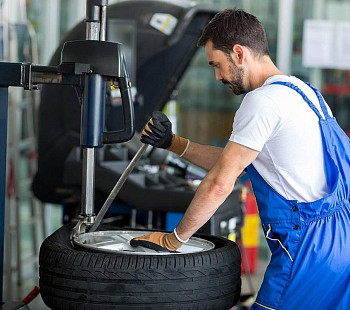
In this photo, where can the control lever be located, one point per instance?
(117, 187)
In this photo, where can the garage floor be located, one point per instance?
(30, 274)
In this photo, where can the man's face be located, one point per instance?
(225, 68)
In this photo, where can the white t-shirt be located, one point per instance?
(276, 121)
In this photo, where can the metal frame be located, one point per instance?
(27, 76)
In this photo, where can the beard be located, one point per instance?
(236, 80)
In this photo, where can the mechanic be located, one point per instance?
(298, 160)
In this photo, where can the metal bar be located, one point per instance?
(118, 186)
(103, 23)
(3, 148)
(91, 136)
(92, 30)
(92, 111)
(88, 182)
(27, 76)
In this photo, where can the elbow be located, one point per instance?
(220, 188)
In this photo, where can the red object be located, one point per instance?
(33, 293)
(250, 204)
(250, 232)
(252, 258)
(336, 89)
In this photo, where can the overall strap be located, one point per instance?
(320, 99)
(308, 101)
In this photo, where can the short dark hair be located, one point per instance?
(235, 26)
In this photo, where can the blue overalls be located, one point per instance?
(310, 242)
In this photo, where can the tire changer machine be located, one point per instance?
(162, 40)
(78, 121)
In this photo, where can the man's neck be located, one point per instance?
(261, 71)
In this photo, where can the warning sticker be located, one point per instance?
(165, 23)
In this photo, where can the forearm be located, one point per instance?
(215, 187)
(204, 156)
(204, 204)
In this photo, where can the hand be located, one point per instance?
(157, 241)
(158, 133)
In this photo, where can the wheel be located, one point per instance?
(75, 278)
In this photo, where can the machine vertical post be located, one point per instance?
(92, 109)
(3, 149)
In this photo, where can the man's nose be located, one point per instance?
(218, 76)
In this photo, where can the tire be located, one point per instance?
(73, 278)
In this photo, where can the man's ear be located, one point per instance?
(238, 54)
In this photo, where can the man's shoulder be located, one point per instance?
(262, 95)
(271, 93)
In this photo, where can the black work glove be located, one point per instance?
(157, 131)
